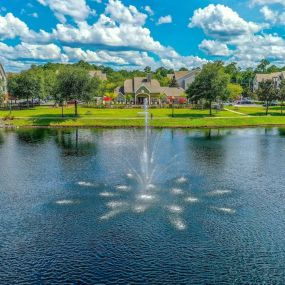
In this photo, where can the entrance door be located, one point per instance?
(140, 100)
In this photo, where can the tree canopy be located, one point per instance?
(210, 84)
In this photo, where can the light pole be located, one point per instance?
(172, 100)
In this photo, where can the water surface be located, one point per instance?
(73, 212)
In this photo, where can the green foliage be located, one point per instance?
(262, 67)
(235, 91)
(210, 84)
(267, 92)
(173, 82)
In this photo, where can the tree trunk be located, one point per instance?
(62, 109)
(267, 107)
(281, 107)
(75, 108)
(210, 108)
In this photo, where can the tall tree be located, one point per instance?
(210, 84)
(73, 84)
(267, 92)
(262, 67)
(173, 82)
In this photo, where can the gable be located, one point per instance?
(142, 90)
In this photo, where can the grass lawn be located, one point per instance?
(88, 117)
(258, 111)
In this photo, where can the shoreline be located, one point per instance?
(140, 127)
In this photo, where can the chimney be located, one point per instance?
(149, 77)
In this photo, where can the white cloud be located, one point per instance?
(29, 51)
(165, 20)
(11, 27)
(125, 15)
(267, 2)
(77, 9)
(118, 26)
(149, 10)
(221, 22)
(216, 48)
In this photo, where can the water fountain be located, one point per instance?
(144, 191)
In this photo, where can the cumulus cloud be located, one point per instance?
(119, 26)
(223, 23)
(216, 48)
(29, 51)
(265, 2)
(164, 20)
(77, 9)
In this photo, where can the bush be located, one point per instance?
(8, 118)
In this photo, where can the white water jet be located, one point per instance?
(219, 192)
(86, 184)
(107, 194)
(65, 202)
(123, 188)
(116, 204)
(177, 191)
(181, 180)
(178, 223)
(225, 210)
(191, 200)
(175, 209)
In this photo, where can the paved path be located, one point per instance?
(235, 112)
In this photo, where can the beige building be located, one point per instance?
(184, 78)
(3, 80)
(138, 89)
(99, 74)
(276, 77)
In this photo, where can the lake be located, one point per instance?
(74, 208)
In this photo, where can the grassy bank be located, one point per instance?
(184, 118)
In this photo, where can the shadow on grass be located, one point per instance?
(270, 113)
(193, 115)
(46, 120)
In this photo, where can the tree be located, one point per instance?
(267, 92)
(281, 94)
(25, 85)
(210, 84)
(2, 86)
(173, 82)
(73, 84)
(147, 69)
(235, 91)
(183, 69)
(262, 67)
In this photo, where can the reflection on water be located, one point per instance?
(72, 211)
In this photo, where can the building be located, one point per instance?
(99, 74)
(276, 77)
(3, 80)
(184, 78)
(138, 89)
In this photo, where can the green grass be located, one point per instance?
(258, 111)
(90, 117)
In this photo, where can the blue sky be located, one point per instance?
(136, 33)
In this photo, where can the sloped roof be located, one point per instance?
(98, 73)
(2, 70)
(132, 85)
(172, 91)
(269, 76)
(181, 74)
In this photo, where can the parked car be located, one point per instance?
(273, 103)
